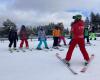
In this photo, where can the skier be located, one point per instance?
(77, 31)
(23, 36)
(12, 37)
(62, 36)
(56, 34)
(86, 34)
(92, 33)
(42, 38)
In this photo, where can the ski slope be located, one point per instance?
(43, 64)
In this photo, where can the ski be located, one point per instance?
(12, 50)
(59, 49)
(84, 69)
(68, 67)
(31, 49)
(46, 50)
(86, 44)
(65, 46)
(16, 50)
(22, 50)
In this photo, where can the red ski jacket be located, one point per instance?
(23, 35)
(77, 29)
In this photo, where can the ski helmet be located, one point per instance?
(77, 17)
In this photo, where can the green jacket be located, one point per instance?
(63, 33)
(86, 32)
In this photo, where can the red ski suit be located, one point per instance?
(77, 30)
(23, 39)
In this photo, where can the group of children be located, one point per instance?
(58, 35)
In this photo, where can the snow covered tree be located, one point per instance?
(7, 25)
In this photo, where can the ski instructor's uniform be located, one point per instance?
(77, 30)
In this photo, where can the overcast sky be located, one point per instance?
(34, 12)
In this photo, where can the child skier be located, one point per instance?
(77, 31)
(86, 34)
(23, 36)
(42, 38)
(56, 34)
(12, 37)
(92, 33)
(62, 36)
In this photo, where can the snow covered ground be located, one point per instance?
(43, 65)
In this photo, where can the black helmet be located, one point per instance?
(77, 16)
(41, 29)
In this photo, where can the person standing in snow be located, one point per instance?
(86, 34)
(12, 37)
(42, 38)
(62, 36)
(92, 33)
(77, 31)
(56, 34)
(23, 36)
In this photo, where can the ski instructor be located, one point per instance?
(77, 31)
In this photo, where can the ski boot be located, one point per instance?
(14, 48)
(38, 48)
(46, 47)
(86, 63)
(67, 62)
